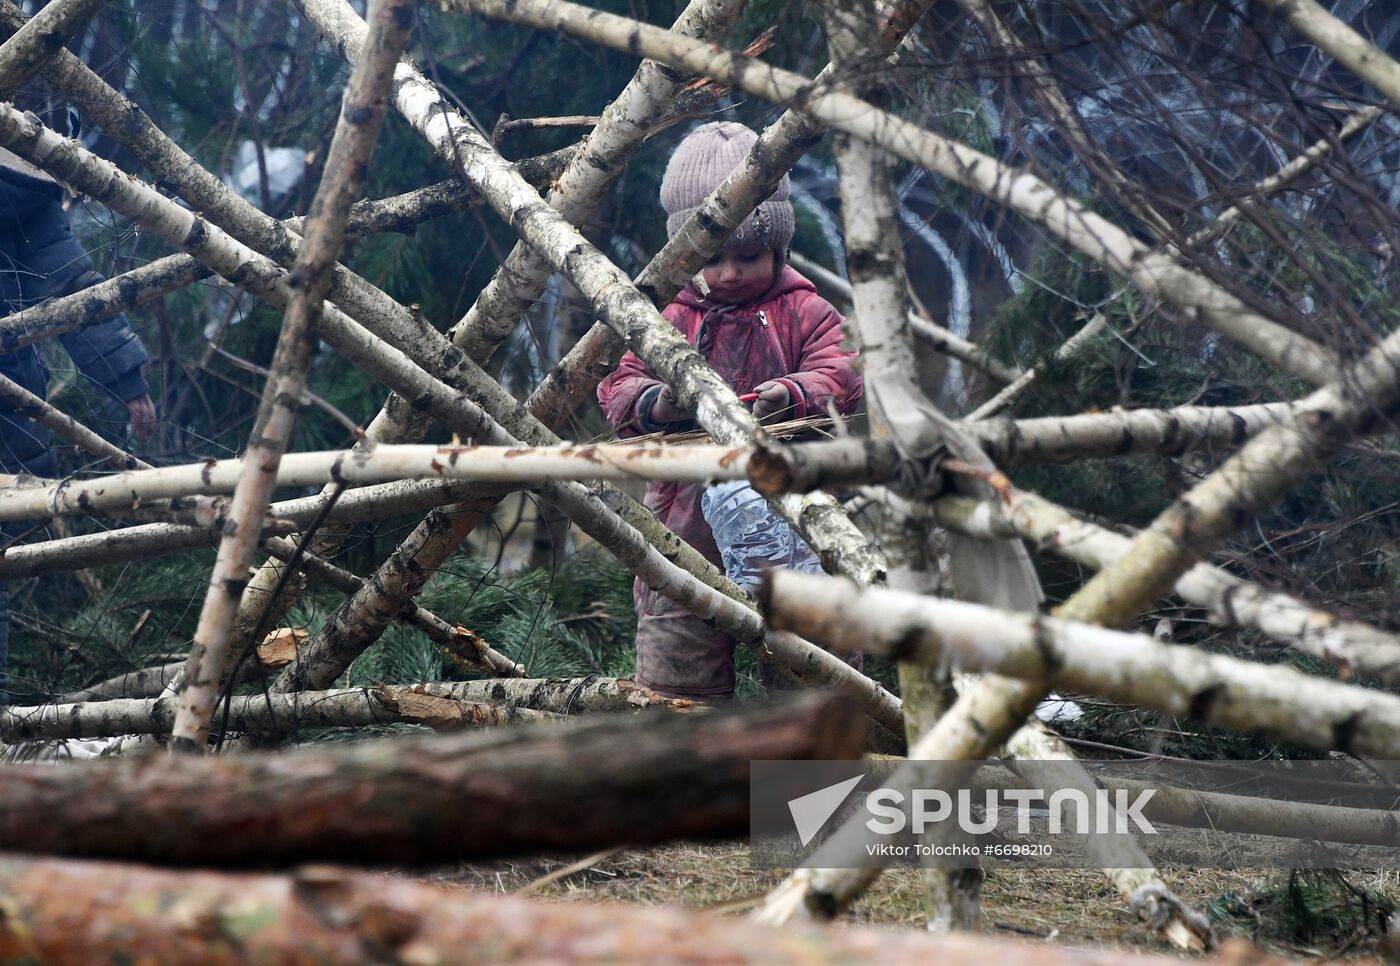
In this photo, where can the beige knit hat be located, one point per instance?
(702, 160)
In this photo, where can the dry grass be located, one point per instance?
(1072, 907)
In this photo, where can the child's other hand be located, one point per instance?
(665, 410)
(143, 416)
(773, 401)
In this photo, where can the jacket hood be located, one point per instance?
(788, 280)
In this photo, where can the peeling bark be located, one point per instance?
(68, 911)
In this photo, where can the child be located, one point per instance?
(763, 327)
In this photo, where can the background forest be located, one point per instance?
(1187, 105)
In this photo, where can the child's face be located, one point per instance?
(742, 274)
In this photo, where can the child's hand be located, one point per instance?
(665, 410)
(773, 401)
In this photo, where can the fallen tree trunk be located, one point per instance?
(381, 464)
(373, 502)
(1219, 812)
(83, 912)
(1085, 658)
(260, 713)
(101, 712)
(426, 800)
(1353, 646)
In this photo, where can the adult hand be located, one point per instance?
(773, 401)
(664, 408)
(143, 416)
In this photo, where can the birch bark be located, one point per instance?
(1055, 652)
(1352, 646)
(1362, 57)
(880, 325)
(347, 166)
(41, 36)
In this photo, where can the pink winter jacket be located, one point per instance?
(789, 334)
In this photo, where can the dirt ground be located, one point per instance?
(1316, 917)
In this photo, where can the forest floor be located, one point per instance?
(1308, 916)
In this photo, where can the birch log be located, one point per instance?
(1046, 439)
(426, 800)
(342, 184)
(153, 540)
(1250, 815)
(43, 35)
(563, 696)
(443, 706)
(382, 464)
(1353, 646)
(1052, 652)
(1352, 50)
(260, 713)
(25, 403)
(880, 325)
(65, 911)
(1156, 273)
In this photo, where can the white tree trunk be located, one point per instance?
(255, 713)
(383, 464)
(1052, 652)
(40, 38)
(342, 184)
(471, 703)
(880, 326)
(1353, 646)
(1362, 57)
